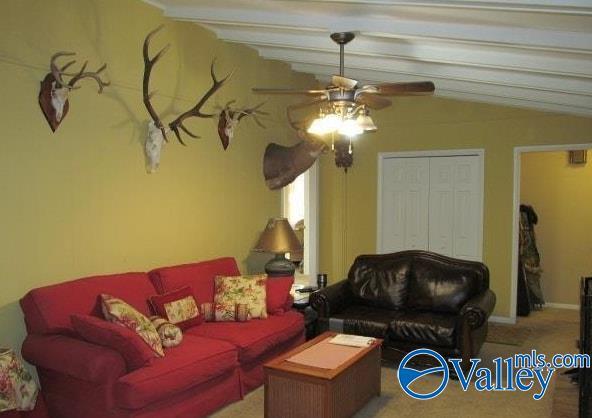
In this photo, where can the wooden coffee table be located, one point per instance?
(295, 390)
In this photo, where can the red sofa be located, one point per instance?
(216, 364)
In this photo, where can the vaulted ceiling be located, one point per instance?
(526, 53)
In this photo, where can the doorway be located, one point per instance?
(542, 169)
(300, 207)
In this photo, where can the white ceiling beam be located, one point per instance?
(449, 87)
(556, 63)
(432, 70)
(572, 7)
(266, 16)
(514, 102)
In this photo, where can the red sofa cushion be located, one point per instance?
(158, 301)
(200, 276)
(48, 309)
(255, 337)
(126, 342)
(278, 293)
(73, 357)
(196, 360)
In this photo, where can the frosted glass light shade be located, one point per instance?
(350, 127)
(366, 123)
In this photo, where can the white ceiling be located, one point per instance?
(527, 53)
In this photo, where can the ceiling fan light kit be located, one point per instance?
(342, 121)
(344, 106)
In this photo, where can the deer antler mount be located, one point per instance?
(229, 118)
(157, 130)
(54, 92)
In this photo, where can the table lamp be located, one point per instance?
(279, 238)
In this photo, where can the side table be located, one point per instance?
(310, 317)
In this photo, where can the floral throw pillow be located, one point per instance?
(230, 291)
(179, 307)
(117, 311)
(170, 334)
(215, 312)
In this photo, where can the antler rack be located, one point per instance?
(176, 125)
(148, 64)
(195, 111)
(58, 73)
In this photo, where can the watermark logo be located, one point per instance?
(407, 375)
(523, 372)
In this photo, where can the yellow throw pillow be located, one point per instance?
(119, 312)
(250, 290)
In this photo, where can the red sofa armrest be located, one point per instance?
(74, 357)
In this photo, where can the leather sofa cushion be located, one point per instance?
(440, 287)
(195, 361)
(199, 276)
(424, 328)
(365, 320)
(256, 337)
(380, 281)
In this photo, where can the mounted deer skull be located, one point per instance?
(54, 92)
(157, 130)
(229, 118)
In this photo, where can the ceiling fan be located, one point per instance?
(344, 109)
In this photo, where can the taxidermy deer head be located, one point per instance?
(281, 164)
(229, 118)
(54, 92)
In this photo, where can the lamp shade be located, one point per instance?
(278, 237)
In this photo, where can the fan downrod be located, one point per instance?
(343, 38)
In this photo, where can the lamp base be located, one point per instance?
(280, 266)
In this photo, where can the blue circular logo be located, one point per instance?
(407, 375)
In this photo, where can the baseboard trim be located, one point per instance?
(502, 320)
(562, 306)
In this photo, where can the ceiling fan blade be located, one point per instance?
(288, 91)
(373, 101)
(346, 83)
(400, 89)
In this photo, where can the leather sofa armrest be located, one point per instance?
(331, 299)
(73, 357)
(478, 309)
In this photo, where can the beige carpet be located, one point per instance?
(551, 331)
(508, 334)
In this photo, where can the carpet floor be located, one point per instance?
(549, 331)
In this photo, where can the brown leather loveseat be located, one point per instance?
(411, 299)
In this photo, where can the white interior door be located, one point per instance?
(441, 205)
(467, 208)
(405, 191)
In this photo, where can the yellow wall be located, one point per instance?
(79, 202)
(561, 195)
(348, 201)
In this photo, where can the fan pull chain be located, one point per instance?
(350, 150)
